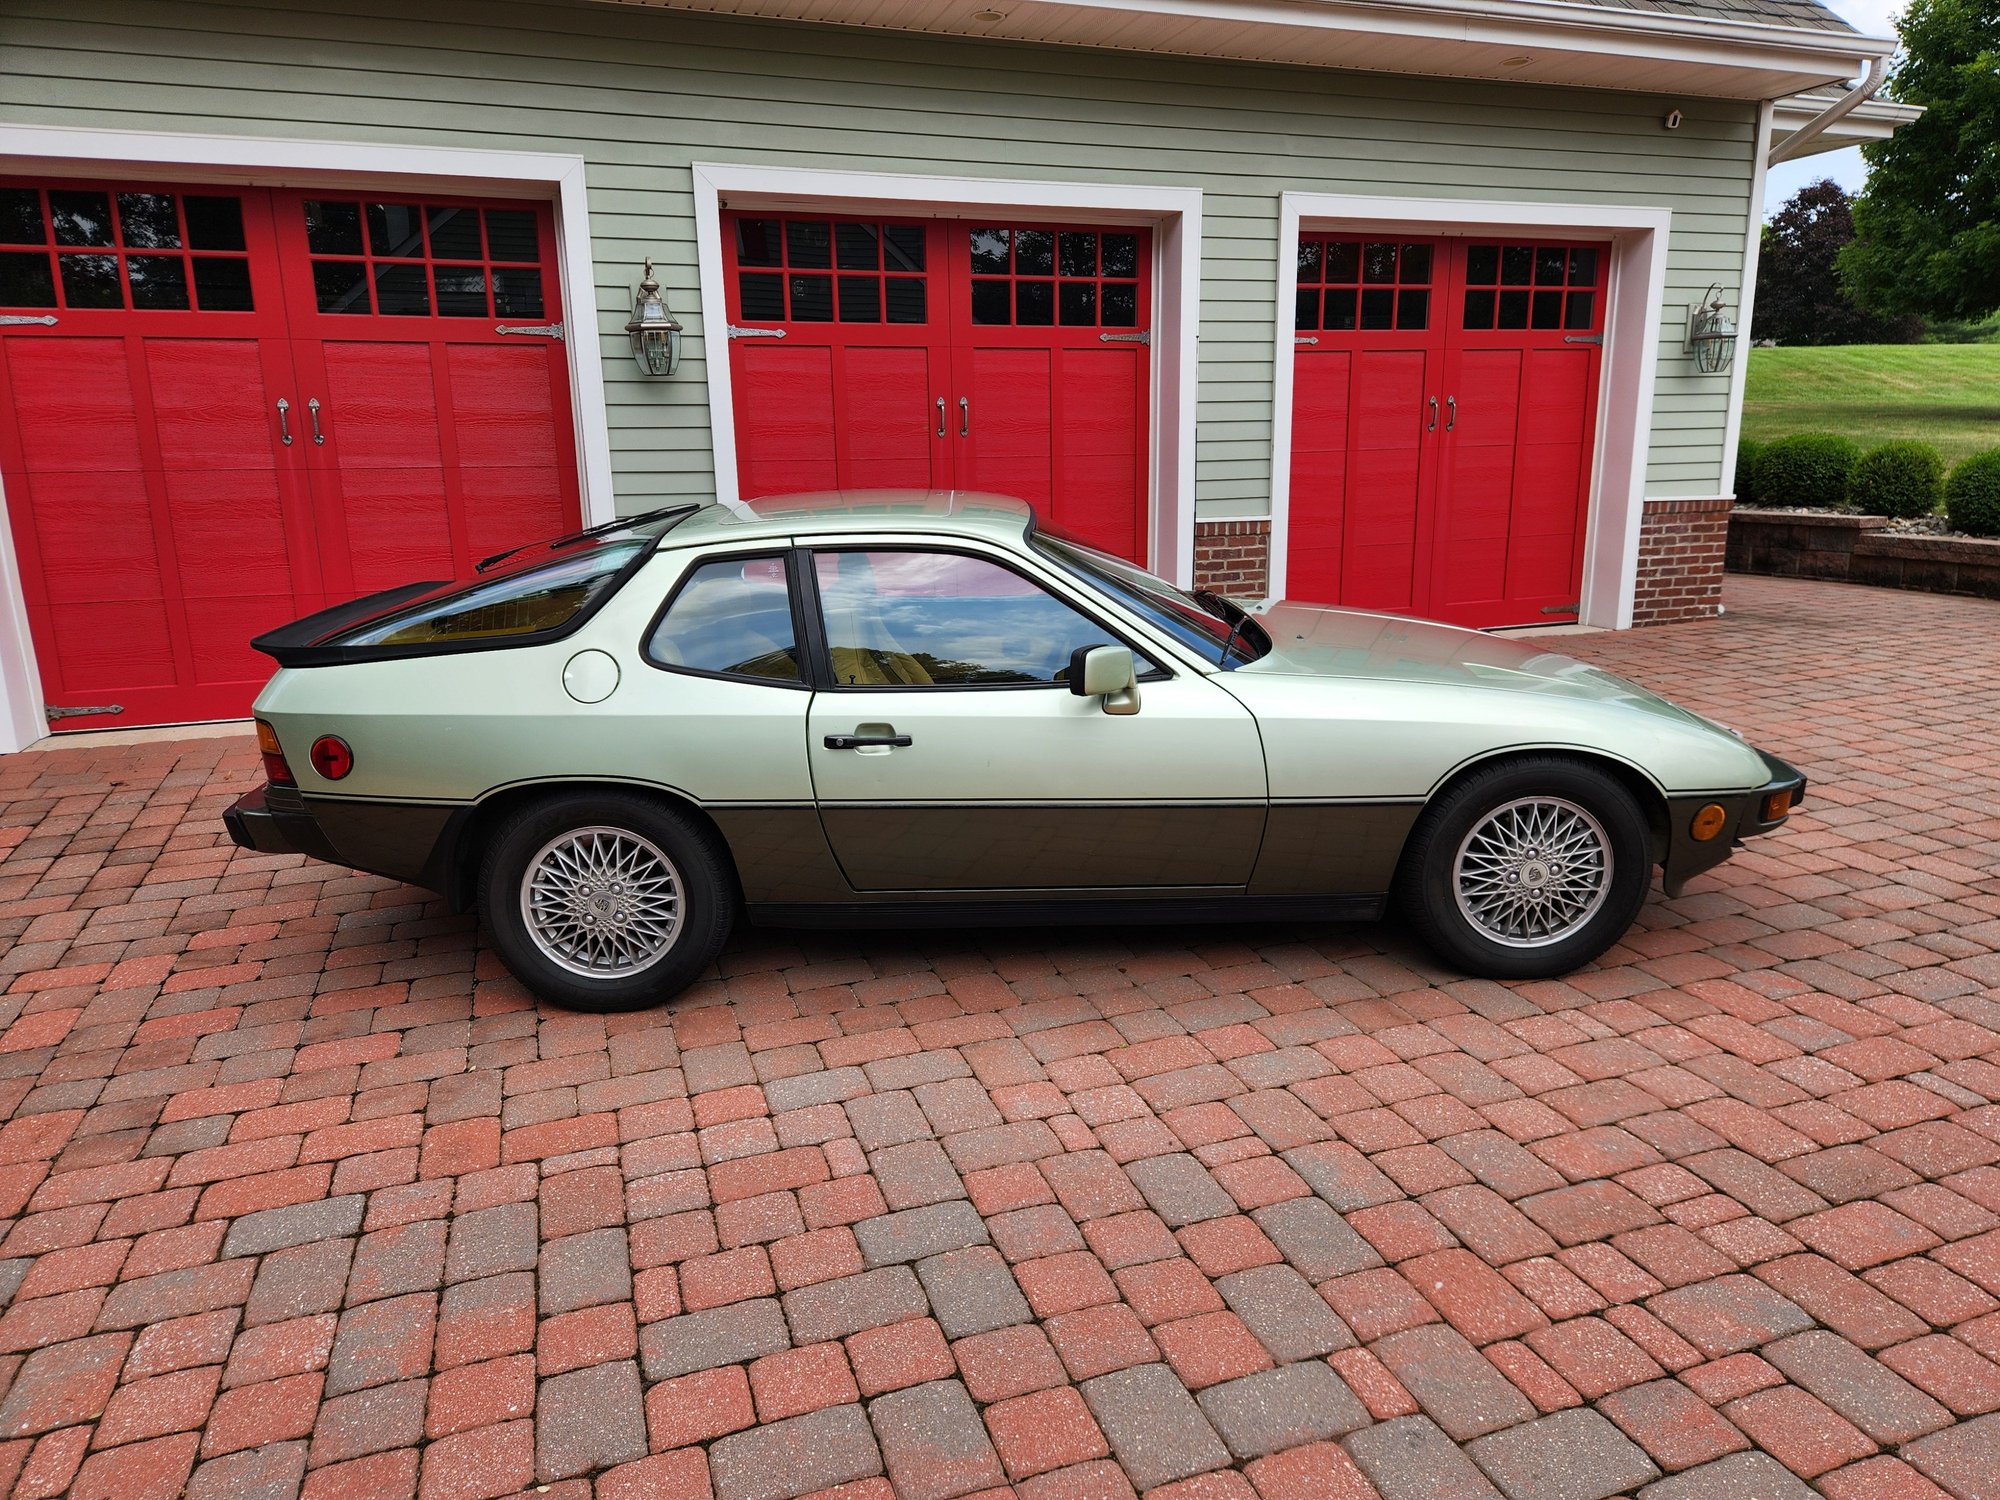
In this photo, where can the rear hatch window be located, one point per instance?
(530, 594)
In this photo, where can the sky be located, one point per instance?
(1844, 167)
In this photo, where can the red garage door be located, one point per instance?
(1010, 357)
(1443, 421)
(221, 408)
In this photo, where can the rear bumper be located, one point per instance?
(404, 840)
(1686, 856)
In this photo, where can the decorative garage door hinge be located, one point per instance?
(544, 330)
(18, 320)
(1305, 338)
(755, 333)
(53, 713)
(1563, 609)
(1141, 337)
(1583, 338)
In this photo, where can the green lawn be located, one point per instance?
(1947, 394)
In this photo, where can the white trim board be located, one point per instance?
(1173, 213)
(268, 162)
(1746, 298)
(1636, 300)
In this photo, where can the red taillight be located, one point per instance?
(331, 757)
(275, 769)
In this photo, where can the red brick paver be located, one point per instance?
(299, 1193)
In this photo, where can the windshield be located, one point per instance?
(1211, 626)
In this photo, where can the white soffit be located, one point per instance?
(1528, 41)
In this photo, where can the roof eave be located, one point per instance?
(1532, 41)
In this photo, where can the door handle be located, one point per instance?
(1434, 416)
(861, 741)
(312, 410)
(964, 417)
(1452, 424)
(940, 431)
(285, 420)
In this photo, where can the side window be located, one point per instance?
(732, 616)
(943, 619)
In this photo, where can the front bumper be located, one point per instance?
(1687, 856)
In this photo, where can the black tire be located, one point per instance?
(1426, 879)
(699, 869)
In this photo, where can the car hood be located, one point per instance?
(1348, 644)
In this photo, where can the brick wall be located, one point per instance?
(1233, 558)
(1681, 547)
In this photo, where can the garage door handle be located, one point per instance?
(312, 410)
(1434, 416)
(1452, 424)
(285, 420)
(860, 741)
(964, 417)
(940, 416)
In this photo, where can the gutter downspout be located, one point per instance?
(1805, 135)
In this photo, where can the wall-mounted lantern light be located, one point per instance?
(1711, 334)
(656, 333)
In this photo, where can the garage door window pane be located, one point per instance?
(158, 281)
(340, 286)
(517, 292)
(945, 619)
(25, 280)
(222, 284)
(510, 235)
(81, 218)
(91, 281)
(147, 221)
(333, 228)
(732, 617)
(213, 223)
(461, 292)
(400, 292)
(454, 233)
(906, 299)
(396, 230)
(21, 217)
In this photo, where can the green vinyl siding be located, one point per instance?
(640, 94)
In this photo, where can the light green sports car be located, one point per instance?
(916, 708)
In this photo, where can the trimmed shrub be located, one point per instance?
(1972, 495)
(1812, 471)
(1902, 479)
(1748, 451)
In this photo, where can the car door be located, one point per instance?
(948, 753)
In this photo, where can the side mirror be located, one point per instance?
(1105, 672)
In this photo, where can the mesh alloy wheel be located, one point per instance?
(1533, 872)
(602, 902)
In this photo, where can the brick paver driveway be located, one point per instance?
(302, 1191)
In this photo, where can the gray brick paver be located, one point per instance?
(1153, 1425)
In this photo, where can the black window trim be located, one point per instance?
(801, 637)
(808, 583)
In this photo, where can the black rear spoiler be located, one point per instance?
(294, 645)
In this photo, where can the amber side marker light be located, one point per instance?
(331, 757)
(275, 769)
(1708, 822)
(1776, 805)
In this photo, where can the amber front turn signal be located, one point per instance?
(1775, 806)
(1708, 822)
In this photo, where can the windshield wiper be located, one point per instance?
(1234, 613)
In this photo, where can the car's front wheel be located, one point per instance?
(605, 901)
(1527, 869)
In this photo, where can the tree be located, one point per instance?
(1928, 223)
(1800, 299)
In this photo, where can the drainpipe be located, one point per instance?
(1806, 134)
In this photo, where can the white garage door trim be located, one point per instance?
(142, 155)
(1174, 214)
(1637, 298)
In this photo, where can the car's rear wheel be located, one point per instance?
(1527, 869)
(605, 901)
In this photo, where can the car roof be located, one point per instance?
(828, 513)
